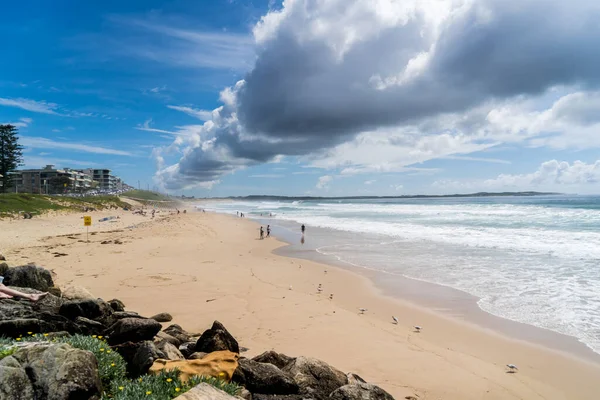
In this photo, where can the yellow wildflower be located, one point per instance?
(121, 388)
(148, 392)
(177, 389)
(99, 337)
(29, 333)
(45, 334)
(108, 351)
(101, 349)
(18, 339)
(140, 379)
(112, 365)
(94, 336)
(169, 380)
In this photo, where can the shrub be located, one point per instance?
(6, 351)
(165, 385)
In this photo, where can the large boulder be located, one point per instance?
(139, 356)
(204, 391)
(14, 382)
(166, 337)
(265, 378)
(315, 377)
(132, 330)
(272, 357)
(71, 292)
(217, 338)
(117, 305)
(162, 317)
(29, 276)
(177, 332)
(188, 348)
(3, 268)
(20, 317)
(95, 309)
(89, 326)
(360, 391)
(126, 314)
(60, 372)
(170, 352)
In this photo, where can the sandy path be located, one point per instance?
(202, 267)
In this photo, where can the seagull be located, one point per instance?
(417, 328)
(512, 368)
(395, 320)
(319, 289)
(362, 310)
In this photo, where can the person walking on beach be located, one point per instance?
(268, 230)
(303, 228)
(262, 233)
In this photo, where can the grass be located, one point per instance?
(146, 195)
(12, 203)
(112, 371)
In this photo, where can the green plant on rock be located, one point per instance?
(6, 351)
(165, 385)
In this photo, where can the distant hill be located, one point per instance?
(419, 196)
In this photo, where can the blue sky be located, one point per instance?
(353, 97)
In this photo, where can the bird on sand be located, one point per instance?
(362, 310)
(331, 296)
(512, 368)
(395, 320)
(319, 289)
(417, 328)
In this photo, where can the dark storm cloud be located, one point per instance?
(304, 96)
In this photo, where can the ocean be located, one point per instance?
(534, 260)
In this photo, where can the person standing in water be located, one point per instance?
(303, 229)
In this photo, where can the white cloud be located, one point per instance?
(397, 187)
(146, 126)
(39, 162)
(551, 175)
(30, 105)
(268, 176)
(23, 123)
(44, 143)
(203, 115)
(324, 181)
(370, 182)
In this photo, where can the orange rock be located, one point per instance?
(218, 364)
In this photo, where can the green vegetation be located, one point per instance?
(11, 154)
(146, 195)
(112, 371)
(13, 203)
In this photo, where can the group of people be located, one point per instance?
(240, 214)
(262, 232)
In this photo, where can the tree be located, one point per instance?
(11, 154)
(59, 183)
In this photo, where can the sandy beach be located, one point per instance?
(202, 267)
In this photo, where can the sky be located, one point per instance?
(309, 97)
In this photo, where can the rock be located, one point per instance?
(245, 394)
(315, 377)
(360, 391)
(217, 338)
(272, 357)
(266, 378)
(19, 317)
(260, 396)
(76, 293)
(14, 383)
(126, 314)
(2, 258)
(204, 391)
(29, 276)
(170, 352)
(117, 305)
(177, 332)
(55, 290)
(3, 268)
(166, 337)
(218, 364)
(90, 327)
(187, 349)
(162, 317)
(60, 372)
(132, 330)
(97, 310)
(354, 379)
(197, 356)
(138, 356)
